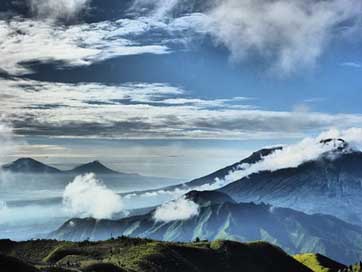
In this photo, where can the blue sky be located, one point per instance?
(207, 81)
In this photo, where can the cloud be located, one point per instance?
(149, 111)
(355, 65)
(28, 41)
(87, 196)
(179, 209)
(292, 156)
(351, 135)
(57, 9)
(287, 35)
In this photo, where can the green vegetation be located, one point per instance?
(319, 263)
(133, 254)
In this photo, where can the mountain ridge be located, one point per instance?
(292, 230)
(32, 166)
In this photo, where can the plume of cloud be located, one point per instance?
(292, 156)
(87, 196)
(179, 209)
(286, 34)
(351, 135)
(57, 9)
(292, 33)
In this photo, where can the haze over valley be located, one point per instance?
(180, 135)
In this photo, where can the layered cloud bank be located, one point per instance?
(87, 196)
(149, 111)
(285, 35)
(27, 41)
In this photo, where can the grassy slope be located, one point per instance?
(319, 263)
(147, 255)
(133, 255)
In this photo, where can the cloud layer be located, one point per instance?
(28, 41)
(179, 209)
(88, 197)
(149, 111)
(284, 35)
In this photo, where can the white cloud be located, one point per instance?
(88, 197)
(57, 9)
(149, 111)
(352, 65)
(179, 209)
(288, 35)
(23, 41)
(351, 135)
(292, 156)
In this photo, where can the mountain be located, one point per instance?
(31, 166)
(93, 167)
(28, 165)
(292, 230)
(253, 158)
(135, 255)
(332, 184)
(317, 262)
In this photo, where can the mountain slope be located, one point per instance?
(124, 254)
(329, 185)
(28, 165)
(253, 158)
(294, 231)
(319, 263)
(93, 167)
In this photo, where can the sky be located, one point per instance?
(175, 88)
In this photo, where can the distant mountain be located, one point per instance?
(139, 255)
(294, 231)
(331, 185)
(31, 166)
(93, 167)
(28, 165)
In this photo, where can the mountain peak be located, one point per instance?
(93, 167)
(29, 165)
(337, 143)
(337, 146)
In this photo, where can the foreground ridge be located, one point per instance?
(134, 254)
